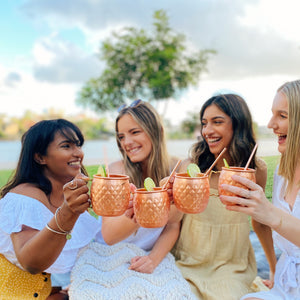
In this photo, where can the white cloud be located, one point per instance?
(59, 61)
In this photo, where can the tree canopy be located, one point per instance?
(143, 64)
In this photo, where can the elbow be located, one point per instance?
(108, 238)
(32, 270)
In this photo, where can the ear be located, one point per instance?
(39, 159)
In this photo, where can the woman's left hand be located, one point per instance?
(143, 264)
(251, 201)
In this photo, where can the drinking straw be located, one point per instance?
(106, 169)
(252, 153)
(216, 160)
(172, 173)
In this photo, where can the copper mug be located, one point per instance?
(225, 177)
(151, 208)
(191, 194)
(110, 195)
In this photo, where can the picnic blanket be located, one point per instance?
(101, 272)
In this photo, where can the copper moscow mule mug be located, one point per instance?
(151, 208)
(110, 195)
(225, 177)
(191, 194)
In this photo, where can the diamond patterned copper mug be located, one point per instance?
(225, 177)
(151, 208)
(191, 194)
(110, 195)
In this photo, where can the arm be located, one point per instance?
(165, 242)
(37, 250)
(255, 204)
(116, 229)
(264, 232)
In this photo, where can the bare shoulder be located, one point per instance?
(261, 165)
(184, 164)
(117, 167)
(30, 190)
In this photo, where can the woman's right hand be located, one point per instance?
(269, 283)
(76, 196)
(169, 187)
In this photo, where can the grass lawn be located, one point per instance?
(271, 162)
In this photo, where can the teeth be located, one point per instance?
(212, 140)
(132, 150)
(74, 163)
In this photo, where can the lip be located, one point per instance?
(213, 141)
(281, 138)
(133, 150)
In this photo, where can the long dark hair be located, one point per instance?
(243, 140)
(36, 141)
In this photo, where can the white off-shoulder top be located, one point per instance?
(17, 210)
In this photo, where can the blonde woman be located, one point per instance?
(283, 215)
(141, 255)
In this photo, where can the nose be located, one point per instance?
(272, 123)
(78, 152)
(127, 140)
(207, 129)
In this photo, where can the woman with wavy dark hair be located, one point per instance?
(43, 218)
(213, 251)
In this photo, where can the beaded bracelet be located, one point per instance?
(67, 233)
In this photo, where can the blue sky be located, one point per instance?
(48, 49)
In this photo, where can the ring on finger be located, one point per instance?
(72, 185)
(89, 201)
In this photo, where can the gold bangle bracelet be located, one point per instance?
(56, 220)
(67, 234)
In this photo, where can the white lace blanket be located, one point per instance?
(101, 272)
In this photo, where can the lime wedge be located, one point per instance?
(101, 171)
(193, 170)
(225, 163)
(149, 184)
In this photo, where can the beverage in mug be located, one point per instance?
(151, 208)
(110, 195)
(225, 177)
(191, 194)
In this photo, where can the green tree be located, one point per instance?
(191, 125)
(140, 64)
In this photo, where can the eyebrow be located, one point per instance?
(68, 141)
(130, 130)
(217, 117)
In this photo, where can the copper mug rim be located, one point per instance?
(187, 176)
(239, 169)
(155, 190)
(112, 177)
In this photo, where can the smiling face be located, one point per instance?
(216, 129)
(279, 121)
(133, 139)
(62, 160)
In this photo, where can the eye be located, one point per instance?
(66, 145)
(136, 131)
(283, 116)
(120, 137)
